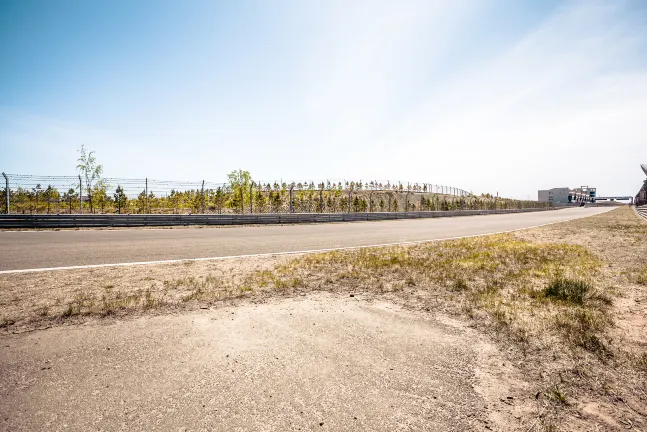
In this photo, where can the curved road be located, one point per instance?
(21, 250)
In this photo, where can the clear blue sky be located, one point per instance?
(489, 96)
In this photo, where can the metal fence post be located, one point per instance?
(80, 195)
(6, 193)
(370, 202)
(389, 203)
(291, 203)
(146, 192)
(251, 198)
(202, 196)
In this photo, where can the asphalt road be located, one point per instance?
(47, 249)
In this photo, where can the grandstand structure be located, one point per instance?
(641, 196)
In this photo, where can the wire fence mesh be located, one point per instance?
(31, 194)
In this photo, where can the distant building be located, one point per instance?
(567, 195)
(555, 195)
(585, 193)
(641, 196)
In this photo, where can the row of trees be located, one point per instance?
(93, 194)
(243, 198)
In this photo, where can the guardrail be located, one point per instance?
(642, 211)
(139, 220)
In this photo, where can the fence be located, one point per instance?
(28, 194)
(105, 220)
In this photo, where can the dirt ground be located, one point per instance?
(320, 362)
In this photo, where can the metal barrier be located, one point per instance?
(642, 211)
(139, 220)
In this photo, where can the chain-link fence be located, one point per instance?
(29, 194)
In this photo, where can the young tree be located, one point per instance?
(36, 192)
(70, 196)
(141, 202)
(356, 204)
(100, 194)
(260, 201)
(89, 169)
(239, 182)
(120, 198)
(219, 199)
(50, 194)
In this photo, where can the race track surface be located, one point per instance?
(47, 249)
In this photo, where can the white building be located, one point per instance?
(555, 195)
(567, 195)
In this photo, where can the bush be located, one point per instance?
(570, 290)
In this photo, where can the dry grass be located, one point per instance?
(568, 300)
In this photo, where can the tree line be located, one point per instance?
(93, 194)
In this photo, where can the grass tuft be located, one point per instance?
(585, 328)
(641, 278)
(568, 290)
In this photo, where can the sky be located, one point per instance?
(489, 96)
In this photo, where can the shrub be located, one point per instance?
(570, 290)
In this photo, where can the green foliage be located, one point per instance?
(569, 290)
(239, 184)
(50, 194)
(89, 170)
(70, 197)
(238, 195)
(120, 198)
(100, 195)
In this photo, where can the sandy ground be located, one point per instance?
(317, 362)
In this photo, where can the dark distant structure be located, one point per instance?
(641, 197)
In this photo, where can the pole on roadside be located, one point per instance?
(80, 195)
(251, 208)
(321, 204)
(146, 192)
(6, 192)
(291, 204)
(202, 196)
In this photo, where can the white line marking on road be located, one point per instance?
(267, 254)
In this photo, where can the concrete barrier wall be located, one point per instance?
(138, 220)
